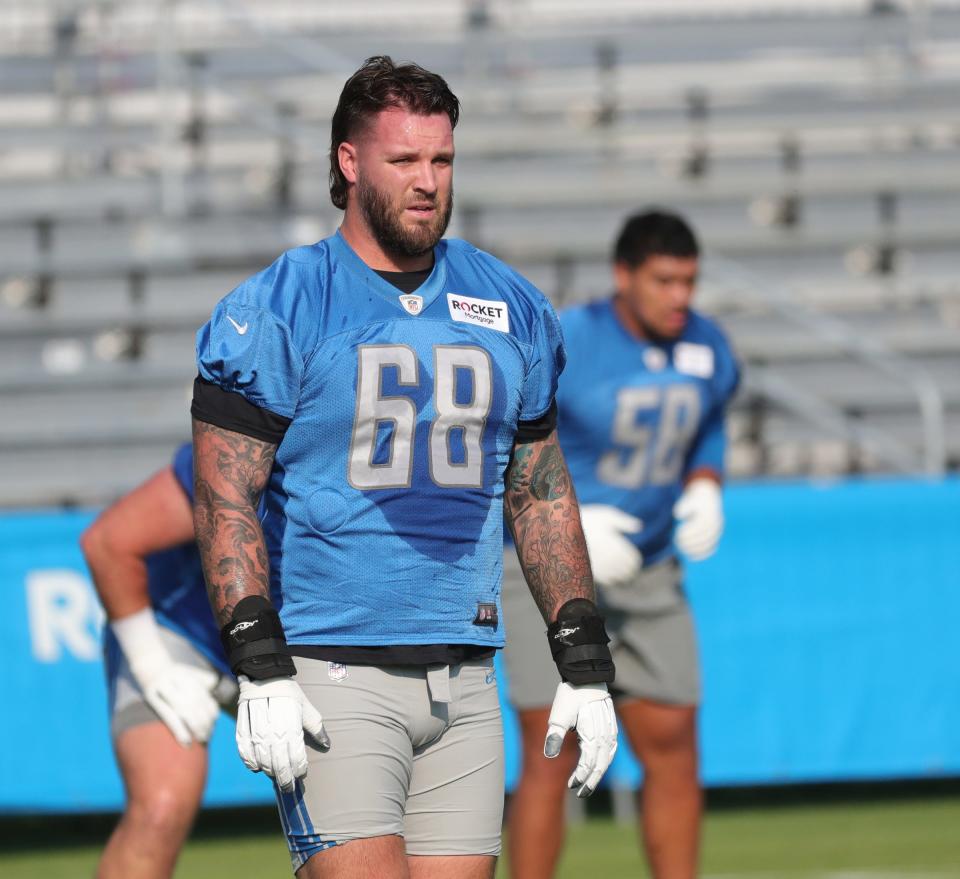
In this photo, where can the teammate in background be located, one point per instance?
(167, 676)
(641, 417)
(379, 387)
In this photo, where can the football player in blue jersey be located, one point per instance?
(641, 417)
(390, 392)
(167, 675)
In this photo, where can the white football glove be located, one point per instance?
(271, 717)
(182, 695)
(699, 515)
(613, 558)
(589, 709)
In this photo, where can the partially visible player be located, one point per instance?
(641, 422)
(167, 675)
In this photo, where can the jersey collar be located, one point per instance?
(428, 290)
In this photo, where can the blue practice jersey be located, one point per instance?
(635, 417)
(384, 507)
(178, 594)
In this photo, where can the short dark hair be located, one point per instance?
(654, 232)
(378, 84)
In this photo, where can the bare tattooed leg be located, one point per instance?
(230, 472)
(544, 517)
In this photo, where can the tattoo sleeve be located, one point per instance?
(230, 471)
(544, 517)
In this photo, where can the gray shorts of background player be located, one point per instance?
(127, 706)
(653, 641)
(414, 751)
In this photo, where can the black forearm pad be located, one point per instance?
(578, 642)
(254, 641)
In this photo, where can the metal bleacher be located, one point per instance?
(154, 154)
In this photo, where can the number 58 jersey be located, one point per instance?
(397, 415)
(637, 417)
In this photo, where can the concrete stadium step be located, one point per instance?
(64, 418)
(240, 145)
(509, 185)
(84, 474)
(198, 245)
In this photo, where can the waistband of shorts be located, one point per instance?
(395, 655)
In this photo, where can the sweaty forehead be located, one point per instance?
(399, 127)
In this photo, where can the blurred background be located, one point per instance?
(153, 154)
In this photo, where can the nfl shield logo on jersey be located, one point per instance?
(655, 359)
(337, 671)
(412, 303)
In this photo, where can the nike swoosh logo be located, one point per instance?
(240, 329)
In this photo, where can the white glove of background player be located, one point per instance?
(699, 515)
(589, 709)
(182, 695)
(271, 718)
(614, 559)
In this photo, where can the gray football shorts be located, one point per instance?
(651, 630)
(415, 752)
(128, 708)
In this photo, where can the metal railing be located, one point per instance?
(784, 300)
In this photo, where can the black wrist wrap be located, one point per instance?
(578, 642)
(254, 642)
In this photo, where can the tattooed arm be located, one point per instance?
(230, 472)
(544, 517)
(543, 514)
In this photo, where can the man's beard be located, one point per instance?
(384, 221)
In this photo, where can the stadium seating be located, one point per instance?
(148, 164)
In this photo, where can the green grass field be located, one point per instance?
(883, 838)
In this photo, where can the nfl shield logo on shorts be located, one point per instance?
(336, 671)
(412, 303)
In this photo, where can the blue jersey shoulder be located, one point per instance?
(703, 330)
(528, 305)
(290, 291)
(579, 321)
(260, 333)
(532, 321)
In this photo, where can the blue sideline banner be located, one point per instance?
(828, 632)
(826, 626)
(63, 760)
